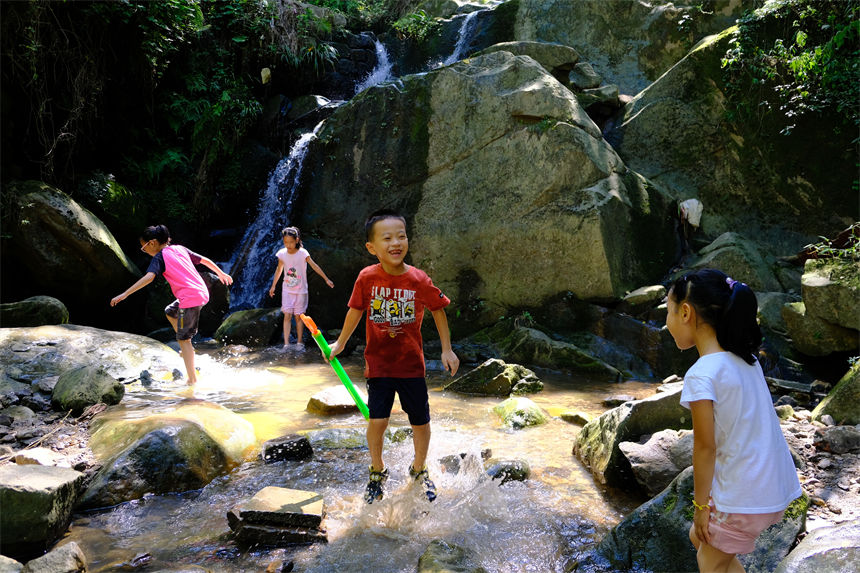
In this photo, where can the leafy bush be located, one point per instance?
(417, 26)
(809, 69)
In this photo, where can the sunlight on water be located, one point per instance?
(536, 525)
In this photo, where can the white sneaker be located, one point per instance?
(299, 346)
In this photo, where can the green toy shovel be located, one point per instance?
(335, 363)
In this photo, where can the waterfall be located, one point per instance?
(380, 73)
(463, 39)
(252, 263)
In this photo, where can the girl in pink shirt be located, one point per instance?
(176, 263)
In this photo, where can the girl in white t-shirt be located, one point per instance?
(293, 261)
(743, 473)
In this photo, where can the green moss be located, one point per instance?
(797, 508)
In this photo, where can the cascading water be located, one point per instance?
(380, 73)
(467, 28)
(249, 264)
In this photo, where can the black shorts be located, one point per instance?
(411, 391)
(186, 319)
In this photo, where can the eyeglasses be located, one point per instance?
(143, 246)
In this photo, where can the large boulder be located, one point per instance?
(54, 350)
(254, 327)
(825, 550)
(178, 450)
(556, 59)
(457, 151)
(831, 291)
(843, 402)
(85, 386)
(67, 558)
(814, 336)
(58, 243)
(740, 259)
(597, 445)
(659, 460)
(676, 133)
(37, 504)
(520, 412)
(630, 43)
(492, 378)
(33, 311)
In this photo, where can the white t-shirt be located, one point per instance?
(295, 270)
(754, 472)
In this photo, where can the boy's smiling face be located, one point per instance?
(389, 244)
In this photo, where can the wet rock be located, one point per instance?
(441, 556)
(278, 516)
(67, 558)
(41, 457)
(814, 336)
(334, 400)
(825, 550)
(578, 418)
(336, 438)
(492, 378)
(831, 291)
(254, 327)
(597, 445)
(452, 463)
(660, 459)
(837, 439)
(33, 311)
(519, 412)
(37, 504)
(292, 448)
(617, 400)
(78, 389)
(507, 470)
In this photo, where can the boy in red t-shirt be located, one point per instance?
(394, 295)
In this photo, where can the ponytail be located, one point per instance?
(157, 232)
(729, 306)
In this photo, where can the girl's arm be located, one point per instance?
(320, 272)
(222, 276)
(141, 282)
(704, 458)
(449, 359)
(353, 316)
(277, 276)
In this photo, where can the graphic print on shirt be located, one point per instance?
(393, 307)
(291, 277)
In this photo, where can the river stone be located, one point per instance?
(293, 448)
(37, 504)
(837, 439)
(334, 400)
(556, 59)
(444, 557)
(632, 43)
(519, 412)
(603, 95)
(583, 76)
(659, 460)
(67, 558)
(597, 445)
(507, 470)
(815, 337)
(825, 550)
(843, 402)
(41, 457)
(254, 327)
(831, 291)
(740, 259)
(642, 299)
(578, 418)
(19, 413)
(336, 438)
(176, 457)
(88, 385)
(33, 311)
(55, 349)
(492, 378)
(64, 244)
(9, 565)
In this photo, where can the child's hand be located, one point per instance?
(117, 299)
(272, 292)
(226, 279)
(336, 349)
(450, 361)
(700, 525)
(329, 283)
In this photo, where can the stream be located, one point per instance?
(537, 525)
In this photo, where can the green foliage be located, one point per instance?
(793, 59)
(417, 26)
(848, 248)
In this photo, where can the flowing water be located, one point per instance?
(537, 525)
(467, 28)
(380, 73)
(251, 273)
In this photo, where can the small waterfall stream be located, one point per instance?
(380, 73)
(261, 240)
(467, 28)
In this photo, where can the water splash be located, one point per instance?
(467, 29)
(380, 73)
(253, 260)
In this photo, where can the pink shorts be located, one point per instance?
(737, 532)
(294, 303)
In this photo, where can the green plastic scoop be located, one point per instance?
(335, 364)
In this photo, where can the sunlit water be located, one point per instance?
(538, 525)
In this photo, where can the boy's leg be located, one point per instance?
(375, 435)
(421, 443)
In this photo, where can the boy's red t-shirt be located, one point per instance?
(395, 310)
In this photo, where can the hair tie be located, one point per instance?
(731, 282)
